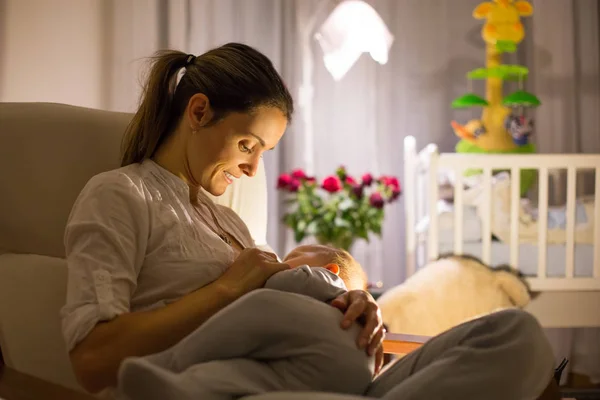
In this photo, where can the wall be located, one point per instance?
(51, 51)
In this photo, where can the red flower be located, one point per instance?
(332, 184)
(395, 194)
(358, 191)
(350, 180)
(298, 174)
(294, 185)
(310, 180)
(284, 181)
(376, 200)
(367, 179)
(391, 182)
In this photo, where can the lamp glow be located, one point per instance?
(353, 28)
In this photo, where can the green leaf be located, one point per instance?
(506, 46)
(298, 236)
(504, 72)
(312, 228)
(342, 223)
(521, 98)
(346, 204)
(301, 225)
(290, 219)
(464, 146)
(362, 233)
(372, 213)
(329, 217)
(376, 228)
(469, 100)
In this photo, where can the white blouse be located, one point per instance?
(134, 241)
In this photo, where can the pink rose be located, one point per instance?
(390, 181)
(294, 185)
(284, 181)
(332, 184)
(298, 174)
(350, 180)
(367, 179)
(376, 200)
(358, 191)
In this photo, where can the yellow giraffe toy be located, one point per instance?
(501, 32)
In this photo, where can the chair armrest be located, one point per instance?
(399, 343)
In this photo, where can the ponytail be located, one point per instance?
(152, 120)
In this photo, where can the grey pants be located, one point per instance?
(501, 356)
(504, 355)
(266, 341)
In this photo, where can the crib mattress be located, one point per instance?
(528, 257)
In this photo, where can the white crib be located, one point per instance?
(565, 301)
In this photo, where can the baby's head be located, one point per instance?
(338, 261)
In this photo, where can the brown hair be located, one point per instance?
(235, 78)
(351, 272)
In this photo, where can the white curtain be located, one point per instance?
(361, 121)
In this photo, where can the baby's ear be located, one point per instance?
(514, 288)
(333, 268)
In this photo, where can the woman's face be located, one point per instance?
(220, 153)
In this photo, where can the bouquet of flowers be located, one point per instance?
(338, 210)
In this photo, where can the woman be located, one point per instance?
(150, 256)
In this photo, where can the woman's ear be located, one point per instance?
(199, 111)
(333, 268)
(514, 288)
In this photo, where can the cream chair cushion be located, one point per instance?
(47, 154)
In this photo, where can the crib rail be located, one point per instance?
(422, 169)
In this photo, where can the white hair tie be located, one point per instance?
(175, 80)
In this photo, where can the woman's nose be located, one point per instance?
(251, 167)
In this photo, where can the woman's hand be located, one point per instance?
(358, 305)
(250, 271)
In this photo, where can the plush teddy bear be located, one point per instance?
(449, 291)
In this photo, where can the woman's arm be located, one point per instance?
(96, 358)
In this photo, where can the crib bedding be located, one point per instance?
(472, 230)
(528, 257)
(471, 223)
(528, 215)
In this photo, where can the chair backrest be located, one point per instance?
(47, 154)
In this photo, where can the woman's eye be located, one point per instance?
(244, 148)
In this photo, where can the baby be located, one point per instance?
(284, 337)
(337, 261)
